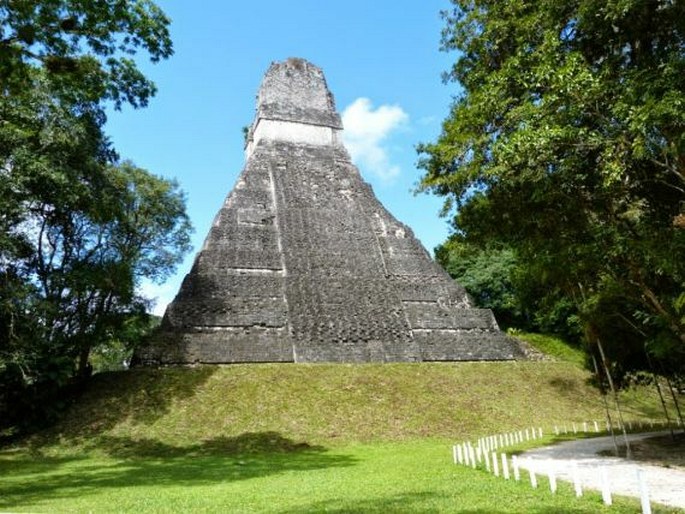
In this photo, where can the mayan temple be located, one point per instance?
(304, 264)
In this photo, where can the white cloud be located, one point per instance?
(365, 132)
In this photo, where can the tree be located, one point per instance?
(79, 229)
(84, 46)
(488, 275)
(567, 144)
(518, 295)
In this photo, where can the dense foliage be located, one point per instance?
(566, 146)
(494, 278)
(488, 274)
(79, 229)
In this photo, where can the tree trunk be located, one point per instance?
(602, 391)
(85, 369)
(629, 454)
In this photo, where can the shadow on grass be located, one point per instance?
(250, 443)
(424, 503)
(566, 386)
(648, 407)
(140, 395)
(30, 479)
(414, 502)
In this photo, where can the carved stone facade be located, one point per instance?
(303, 263)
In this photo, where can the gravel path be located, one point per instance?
(665, 485)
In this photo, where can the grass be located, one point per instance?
(335, 404)
(552, 346)
(301, 438)
(409, 476)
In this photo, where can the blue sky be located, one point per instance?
(381, 60)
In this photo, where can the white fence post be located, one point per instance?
(576, 480)
(533, 478)
(552, 480)
(495, 465)
(505, 467)
(515, 465)
(644, 493)
(606, 490)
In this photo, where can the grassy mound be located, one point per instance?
(329, 404)
(303, 438)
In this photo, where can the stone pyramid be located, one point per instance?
(304, 264)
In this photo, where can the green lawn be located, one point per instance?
(409, 476)
(301, 438)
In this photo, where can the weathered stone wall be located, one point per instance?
(296, 90)
(340, 303)
(304, 264)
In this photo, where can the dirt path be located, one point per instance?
(665, 485)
